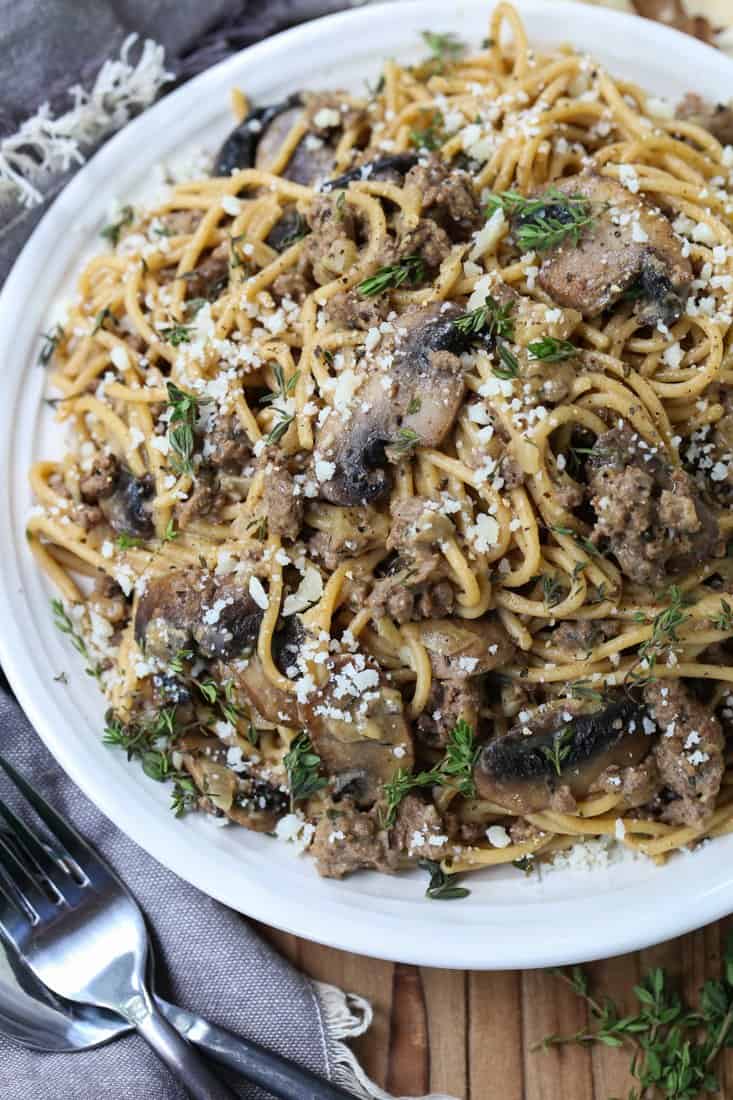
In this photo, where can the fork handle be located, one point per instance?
(178, 1055)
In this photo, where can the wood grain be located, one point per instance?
(468, 1034)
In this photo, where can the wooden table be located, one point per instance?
(469, 1033)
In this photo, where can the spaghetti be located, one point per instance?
(395, 507)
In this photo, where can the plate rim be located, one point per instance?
(338, 924)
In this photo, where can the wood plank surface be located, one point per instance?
(468, 1034)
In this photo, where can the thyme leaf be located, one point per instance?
(63, 623)
(542, 223)
(441, 886)
(302, 765)
(410, 270)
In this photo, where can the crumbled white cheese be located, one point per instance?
(258, 593)
(498, 837)
(230, 204)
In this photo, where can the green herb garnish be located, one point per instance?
(177, 334)
(674, 1046)
(63, 623)
(444, 46)
(550, 350)
(299, 230)
(405, 442)
(410, 270)
(544, 222)
(441, 886)
(454, 770)
(302, 764)
(552, 590)
(432, 136)
(184, 410)
(724, 619)
(102, 316)
(490, 319)
(508, 364)
(665, 625)
(562, 746)
(127, 542)
(49, 342)
(112, 232)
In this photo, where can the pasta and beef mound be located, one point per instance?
(395, 508)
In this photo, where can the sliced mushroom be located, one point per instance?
(358, 728)
(128, 508)
(391, 169)
(270, 701)
(459, 648)
(240, 792)
(257, 140)
(629, 242)
(188, 608)
(415, 400)
(562, 746)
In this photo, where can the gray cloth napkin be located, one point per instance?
(49, 46)
(210, 960)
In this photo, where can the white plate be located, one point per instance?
(509, 920)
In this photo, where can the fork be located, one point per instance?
(82, 934)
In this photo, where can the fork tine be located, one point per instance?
(67, 839)
(29, 844)
(15, 904)
(26, 887)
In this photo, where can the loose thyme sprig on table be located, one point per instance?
(674, 1046)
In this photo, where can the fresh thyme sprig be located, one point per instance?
(454, 770)
(724, 618)
(542, 223)
(508, 367)
(127, 542)
(406, 441)
(444, 46)
(410, 270)
(432, 136)
(302, 765)
(552, 590)
(490, 319)
(551, 350)
(63, 623)
(184, 409)
(49, 342)
(562, 746)
(284, 391)
(665, 625)
(149, 741)
(177, 334)
(441, 886)
(112, 232)
(674, 1045)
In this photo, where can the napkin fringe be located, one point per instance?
(43, 146)
(346, 1016)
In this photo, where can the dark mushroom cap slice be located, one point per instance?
(522, 770)
(128, 508)
(190, 609)
(420, 394)
(257, 140)
(362, 740)
(240, 148)
(390, 168)
(270, 701)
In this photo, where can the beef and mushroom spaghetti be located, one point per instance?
(395, 509)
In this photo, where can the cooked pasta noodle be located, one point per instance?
(400, 465)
